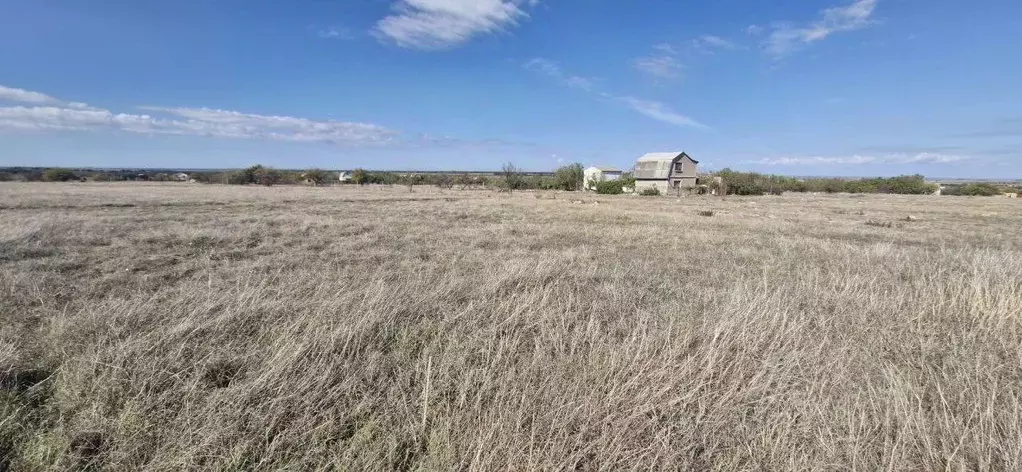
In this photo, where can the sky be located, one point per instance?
(798, 87)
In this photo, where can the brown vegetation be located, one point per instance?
(169, 327)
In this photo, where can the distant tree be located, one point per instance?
(512, 177)
(102, 177)
(266, 176)
(444, 181)
(569, 177)
(359, 176)
(974, 189)
(316, 176)
(59, 175)
(465, 181)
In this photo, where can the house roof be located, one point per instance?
(663, 156)
(656, 165)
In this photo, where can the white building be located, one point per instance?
(599, 174)
(344, 177)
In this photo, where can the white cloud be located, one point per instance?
(553, 69)
(707, 43)
(919, 158)
(9, 94)
(666, 48)
(663, 67)
(652, 109)
(753, 30)
(661, 112)
(785, 38)
(335, 32)
(75, 116)
(441, 24)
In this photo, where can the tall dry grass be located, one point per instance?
(176, 327)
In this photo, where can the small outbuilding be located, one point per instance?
(596, 174)
(665, 171)
(344, 177)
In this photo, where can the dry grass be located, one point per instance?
(177, 327)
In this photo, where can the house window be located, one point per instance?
(679, 167)
(675, 183)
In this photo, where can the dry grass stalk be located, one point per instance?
(169, 327)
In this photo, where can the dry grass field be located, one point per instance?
(190, 327)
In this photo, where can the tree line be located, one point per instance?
(511, 178)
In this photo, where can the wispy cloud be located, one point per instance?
(54, 115)
(754, 30)
(335, 32)
(553, 69)
(17, 95)
(786, 38)
(442, 24)
(649, 108)
(896, 158)
(661, 112)
(710, 43)
(9, 94)
(662, 65)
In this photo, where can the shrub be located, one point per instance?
(359, 176)
(609, 187)
(238, 178)
(266, 176)
(649, 192)
(627, 180)
(705, 212)
(905, 184)
(569, 177)
(316, 176)
(246, 176)
(59, 175)
(512, 177)
(974, 189)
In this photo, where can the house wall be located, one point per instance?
(597, 175)
(689, 168)
(666, 187)
(661, 185)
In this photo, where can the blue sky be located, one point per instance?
(820, 87)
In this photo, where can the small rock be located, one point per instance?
(911, 218)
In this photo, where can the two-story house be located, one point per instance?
(665, 171)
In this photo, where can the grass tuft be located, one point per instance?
(169, 327)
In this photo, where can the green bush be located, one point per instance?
(974, 190)
(59, 175)
(609, 187)
(649, 192)
(359, 177)
(266, 176)
(569, 177)
(627, 180)
(317, 176)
